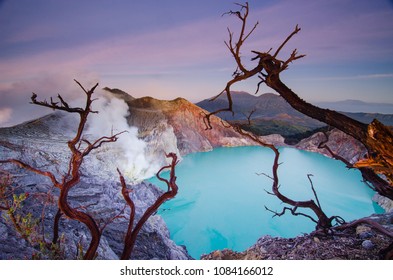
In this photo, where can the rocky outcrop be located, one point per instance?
(104, 202)
(274, 139)
(384, 202)
(340, 143)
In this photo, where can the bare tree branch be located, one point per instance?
(72, 177)
(113, 218)
(99, 142)
(171, 192)
(368, 221)
(35, 170)
(322, 221)
(249, 115)
(293, 212)
(377, 138)
(313, 190)
(241, 72)
(323, 145)
(294, 32)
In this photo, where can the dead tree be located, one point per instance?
(79, 149)
(377, 138)
(249, 115)
(132, 231)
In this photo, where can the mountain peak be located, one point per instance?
(240, 93)
(119, 94)
(269, 94)
(265, 105)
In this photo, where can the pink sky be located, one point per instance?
(166, 49)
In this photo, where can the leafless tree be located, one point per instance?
(249, 115)
(132, 232)
(377, 138)
(80, 148)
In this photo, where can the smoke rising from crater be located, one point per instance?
(128, 153)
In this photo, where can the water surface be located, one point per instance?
(221, 200)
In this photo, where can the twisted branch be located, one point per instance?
(132, 232)
(72, 177)
(322, 221)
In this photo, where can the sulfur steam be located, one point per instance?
(128, 152)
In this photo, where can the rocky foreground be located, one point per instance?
(361, 242)
(42, 143)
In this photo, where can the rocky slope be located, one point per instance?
(273, 106)
(268, 105)
(42, 143)
(271, 113)
(180, 122)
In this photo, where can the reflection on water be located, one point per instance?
(221, 200)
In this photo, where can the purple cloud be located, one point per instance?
(178, 50)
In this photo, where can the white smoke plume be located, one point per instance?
(128, 152)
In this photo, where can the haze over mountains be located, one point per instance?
(274, 115)
(357, 106)
(267, 105)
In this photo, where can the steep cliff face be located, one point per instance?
(177, 125)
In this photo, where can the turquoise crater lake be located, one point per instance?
(221, 200)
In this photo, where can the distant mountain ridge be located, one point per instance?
(267, 105)
(272, 107)
(357, 106)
